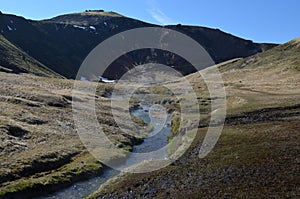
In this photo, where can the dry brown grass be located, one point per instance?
(257, 155)
(39, 143)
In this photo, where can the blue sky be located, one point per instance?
(258, 20)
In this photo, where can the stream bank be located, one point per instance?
(84, 188)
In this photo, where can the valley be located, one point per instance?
(43, 154)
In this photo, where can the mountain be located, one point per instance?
(62, 43)
(15, 60)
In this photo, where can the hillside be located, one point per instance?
(257, 155)
(15, 60)
(40, 149)
(62, 43)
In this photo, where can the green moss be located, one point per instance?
(21, 186)
(160, 90)
(138, 121)
(175, 124)
(134, 103)
(127, 148)
(80, 165)
(174, 142)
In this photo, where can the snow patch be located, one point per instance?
(80, 27)
(105, 23)
(9, 28)
(11, 21)
(106, 80)
(83, 79)
(93, 28)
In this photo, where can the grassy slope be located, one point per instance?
(13, 59)
(257, 155)
(40, 150)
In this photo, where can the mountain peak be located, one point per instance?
(101, 13)
(89, 17)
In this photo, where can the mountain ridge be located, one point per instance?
(61, 43)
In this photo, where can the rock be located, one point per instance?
(16, 131)
(34, 121)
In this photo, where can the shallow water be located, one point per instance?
(82, 189)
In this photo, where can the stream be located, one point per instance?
(84, 188)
